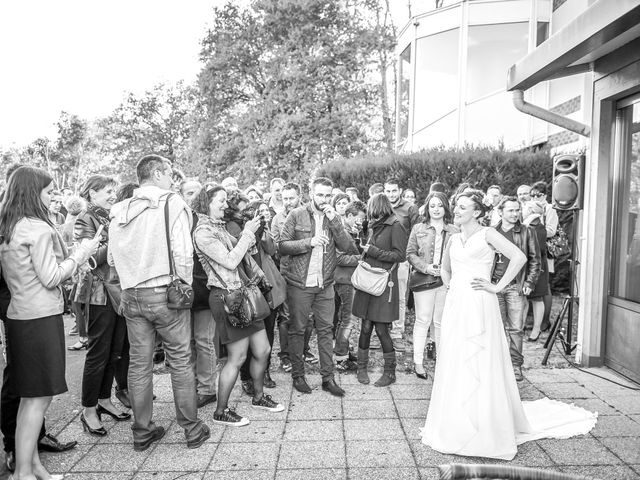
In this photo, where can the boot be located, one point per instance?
(363, 362)
(389, 375)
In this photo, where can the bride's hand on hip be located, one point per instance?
(483, 284)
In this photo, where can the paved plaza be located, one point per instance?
(371, 433)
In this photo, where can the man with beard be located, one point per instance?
(291, 199)
(310, 236)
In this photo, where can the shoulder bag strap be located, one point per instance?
(444, 236)
(167, 231)
(222, 282)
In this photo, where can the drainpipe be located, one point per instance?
(549, 116)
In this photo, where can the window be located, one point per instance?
(625, 265)
(492, 50)
(403, 94)
(436, 88)
(542, 32)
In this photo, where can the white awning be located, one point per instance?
(604, 27)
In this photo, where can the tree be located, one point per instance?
(290, 85)
(161, 121)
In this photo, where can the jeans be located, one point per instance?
(146, 312)
(203, 353)
(403, 280)
(512, 304)
(302, 301)
(284, 321)
(429, 307)
(346, 321)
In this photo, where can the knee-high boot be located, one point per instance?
(363, 363)
(389, 375)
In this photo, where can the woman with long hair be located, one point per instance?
(385, 248)
(222, 255)
(475, 407)
(424, 252)
(35, 262)
(106, 329)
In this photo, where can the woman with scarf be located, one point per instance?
(105, 327)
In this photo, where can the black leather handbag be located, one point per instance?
(179, 294)
(419, 282)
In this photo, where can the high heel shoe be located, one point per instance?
(98, 432)
(118, 417)
(423, 376)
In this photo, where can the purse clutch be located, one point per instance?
(419, 282)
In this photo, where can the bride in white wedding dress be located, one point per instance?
(475, 408)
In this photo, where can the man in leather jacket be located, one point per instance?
(513, 299)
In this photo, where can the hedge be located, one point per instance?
(480, 166)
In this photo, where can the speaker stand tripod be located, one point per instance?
(567, 304)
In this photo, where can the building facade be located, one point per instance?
(600, 42)
(451, 76)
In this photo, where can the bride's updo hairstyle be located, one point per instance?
(477, 197)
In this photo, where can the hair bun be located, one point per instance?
(74, 205)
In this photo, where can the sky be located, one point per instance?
(81, 56)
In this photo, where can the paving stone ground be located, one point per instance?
(371, 433)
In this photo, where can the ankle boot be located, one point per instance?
(389, 375)
(363, 363)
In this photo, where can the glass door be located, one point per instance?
(623, 310)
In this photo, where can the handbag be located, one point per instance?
(419, 282)
(247, 304)
(372, 280)
(558, 245)
(111, 283)
(179, 294)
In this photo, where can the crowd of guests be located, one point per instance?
(111, 254)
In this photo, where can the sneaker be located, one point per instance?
(267, 403)
(310, 358)
(248, 388)
(398, 344)
(285, 363)
(431, 347)
(345, 365)
(230, 418)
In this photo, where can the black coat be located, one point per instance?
(388, 246)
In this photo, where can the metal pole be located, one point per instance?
(572, 274)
